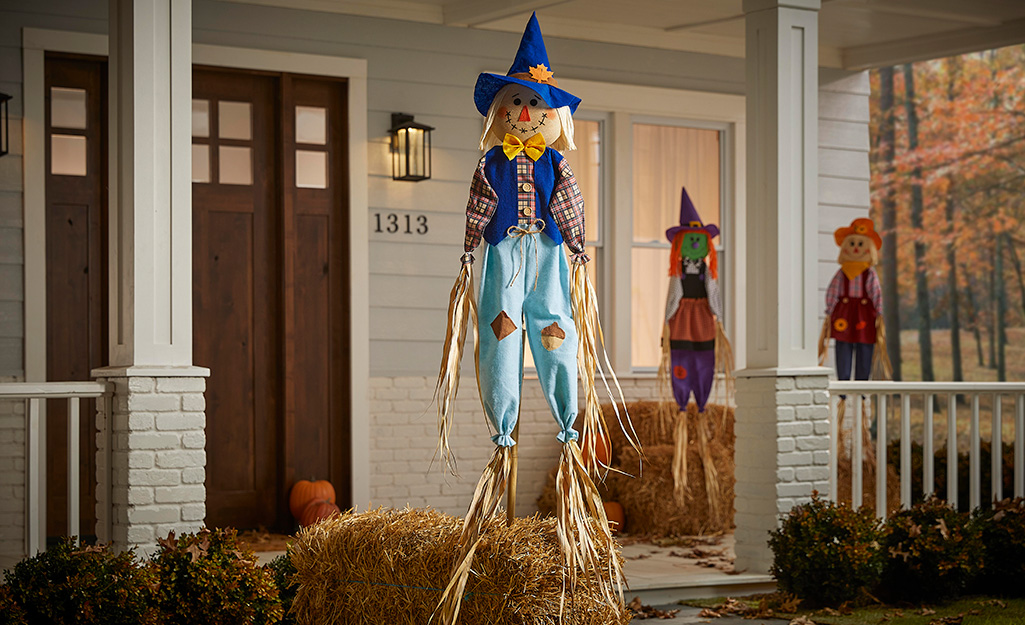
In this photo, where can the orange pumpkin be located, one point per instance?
(602, 449)
(305, 491)
(616, 516)
(316, 511)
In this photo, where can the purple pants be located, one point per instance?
(692, 371)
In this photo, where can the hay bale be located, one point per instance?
(390, 566)
(647, 499)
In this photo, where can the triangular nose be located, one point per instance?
(524, 115)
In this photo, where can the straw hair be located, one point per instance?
(483, 507)
(590, 355)
(388, 566)
(462, 316)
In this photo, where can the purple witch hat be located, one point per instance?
(690, 221)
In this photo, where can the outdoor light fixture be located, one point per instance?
(410, 148)
(5, 125)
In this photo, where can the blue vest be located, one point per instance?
(501, 174)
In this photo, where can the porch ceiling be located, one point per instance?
(853, 34)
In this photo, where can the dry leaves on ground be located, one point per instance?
(642, 612)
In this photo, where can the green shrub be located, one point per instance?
(1002, 530)
(207, 578)
(284, 571)
(10, 612)
(826, 553)
(932, 552)
(72, 584)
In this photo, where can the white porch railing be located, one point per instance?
(35, 467)
(879, 393)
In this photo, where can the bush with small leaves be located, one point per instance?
(79, 584)
(1002, 530)
(284, 571)
(208, 578)
(932, 553)
(10, 612)
(826, 553)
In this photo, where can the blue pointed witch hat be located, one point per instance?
(690, 220)
(531, 69)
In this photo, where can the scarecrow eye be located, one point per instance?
(517, 101)
(533, 102)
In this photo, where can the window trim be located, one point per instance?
(622, 106)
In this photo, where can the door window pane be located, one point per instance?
(310, 169)
(67, 108)
(234, 120)
(235, 165)
(67, 155)
(200, 118)
(311, 125)
(666, 159)
(200, 163)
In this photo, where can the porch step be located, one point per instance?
(668, 590)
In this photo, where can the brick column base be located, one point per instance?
(782, 453)
(158, 460)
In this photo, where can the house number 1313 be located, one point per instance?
(393, 223)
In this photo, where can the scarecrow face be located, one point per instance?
(694, 246)
(858, 248)
(524, 114)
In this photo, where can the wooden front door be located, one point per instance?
(76, 274)
(270, 291)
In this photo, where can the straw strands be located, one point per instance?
(390, 566)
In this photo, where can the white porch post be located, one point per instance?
(157, 418)
(782, 447)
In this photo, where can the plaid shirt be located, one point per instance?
(566, 205)
(835, 290)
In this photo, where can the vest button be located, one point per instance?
(864, 301)
(526, 187)
(845, 300)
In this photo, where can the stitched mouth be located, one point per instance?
(525, 129)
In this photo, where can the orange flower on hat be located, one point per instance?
(540, 73)
(840, 324)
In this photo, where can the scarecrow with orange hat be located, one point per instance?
(693, 340)
(524, 205)
(854, 305)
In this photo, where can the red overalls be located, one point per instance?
(853, 320)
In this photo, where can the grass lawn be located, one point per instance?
(964, 611)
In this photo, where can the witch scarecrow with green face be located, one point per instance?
(694, 341)
(524, 206)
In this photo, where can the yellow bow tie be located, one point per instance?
(534, 147)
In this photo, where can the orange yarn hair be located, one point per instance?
(675, 267)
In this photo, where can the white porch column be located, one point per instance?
(157, 420)
(782, 447)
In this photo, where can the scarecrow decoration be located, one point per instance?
(694, 343)
(524, 203)
(854, 307)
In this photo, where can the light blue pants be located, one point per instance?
(526, 284)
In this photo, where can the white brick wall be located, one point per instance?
(158, 459)
(782, 455)
(404, 436)
(12, 480)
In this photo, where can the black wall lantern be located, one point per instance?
(410, 148)
(5, 125)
